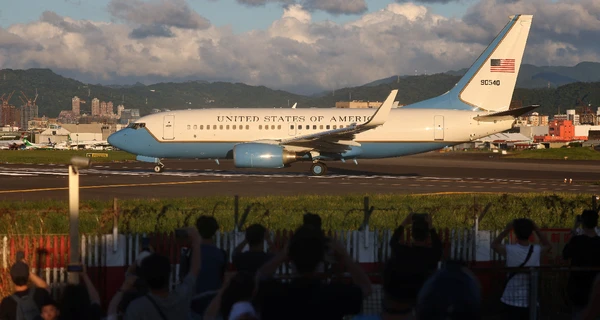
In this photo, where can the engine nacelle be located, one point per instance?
(262, 155)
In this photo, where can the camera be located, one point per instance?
(145, 244)
(81, 162)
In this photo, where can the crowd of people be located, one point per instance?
(325, 282)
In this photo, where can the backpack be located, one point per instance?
(27, 309)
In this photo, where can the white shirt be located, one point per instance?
(517, 290)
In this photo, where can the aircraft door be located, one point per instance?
(169, 127)
(292, 128)
(438, 127)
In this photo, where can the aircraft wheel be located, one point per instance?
(159, 168)
(318, 169)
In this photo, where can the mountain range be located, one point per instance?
(553, 88)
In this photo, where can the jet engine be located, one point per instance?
(262, 155)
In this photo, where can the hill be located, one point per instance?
(55, 91)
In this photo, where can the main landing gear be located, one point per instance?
(318, 169)
(159, 168)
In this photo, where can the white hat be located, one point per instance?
(241, 308)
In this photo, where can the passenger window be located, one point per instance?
(201, 127)
(220, 127)
(260, 127)
(208, 127)
(272, 127)
(321, 127)
(300, 127)
(279, 127)
(314, 127)
(195, 127)
(241, 127)
(189, 127)
(247, 127)
(327, 127)
(292, 126)
(227, 127)
(214, 127)
(267, 127)
(234, 127)
(334, 126)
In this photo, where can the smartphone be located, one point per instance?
(20, 255)
(145, 243)
(181, 233)
(75, 268)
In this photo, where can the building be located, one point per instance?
(76, 105)
(110, 109)
(120, 109)
(560, 131)
(85, 132)
(532, 131)
(10, 116)
(102, 108)
(28, 113)
(42, 123)
(67, 116)
(129, 115)
(54, 134)
(95, 107)
(535, 119)
(358, 104)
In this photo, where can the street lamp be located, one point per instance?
(74, 260)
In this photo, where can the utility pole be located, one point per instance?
(74, 267)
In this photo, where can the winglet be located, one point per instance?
(294, 106)
(382, 113)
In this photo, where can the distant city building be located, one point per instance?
(95, 107)
(76, 105)
(120, 109)
(110, 110)
(28, 112)
(358, 104)
(67, 116)
(10, 116)
(103, 108)
(535, 119)
(129, 115)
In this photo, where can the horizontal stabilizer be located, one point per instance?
(506, 115)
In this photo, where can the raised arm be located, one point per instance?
(546, 245)
(38, 282)
(359, 276)
(497, 243)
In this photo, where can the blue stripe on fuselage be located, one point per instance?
(141, 142)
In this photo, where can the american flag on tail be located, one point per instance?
(502, 65)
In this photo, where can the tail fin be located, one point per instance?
(491, 80)
(489, 84)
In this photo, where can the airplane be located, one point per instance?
(12, 144)
(477, 106)
(29, 145)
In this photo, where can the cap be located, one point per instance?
(19, 270)
(241, 308)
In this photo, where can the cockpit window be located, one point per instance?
(136, 126)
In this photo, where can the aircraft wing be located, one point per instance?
(340, 140)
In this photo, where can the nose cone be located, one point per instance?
(118, 140)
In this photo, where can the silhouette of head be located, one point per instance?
(523, 228)
(155, 271)
(307, 249)
(312, 220)
(589, 219)
(255, 234)
(207, 226)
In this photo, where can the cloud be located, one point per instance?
(335, 7)
(168, 13)
(295, 52)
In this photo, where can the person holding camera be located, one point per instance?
(421, 257)
(27, 301)
(519, 255)
(582, 251)
(160, 303)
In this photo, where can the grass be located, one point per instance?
(278, 213)
(581, 153)
(59, 156)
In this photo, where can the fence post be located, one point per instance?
(595, 202)
(115, 224)
(534, 277)
(236, 212)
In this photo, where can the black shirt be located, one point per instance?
(309, 299)
(8, 307)
(250, 261)
(583, 251)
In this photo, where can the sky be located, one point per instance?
(303, 46)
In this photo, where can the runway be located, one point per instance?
(419, 174)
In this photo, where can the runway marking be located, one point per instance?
(112, 186)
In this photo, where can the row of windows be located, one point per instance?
(261, 127)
